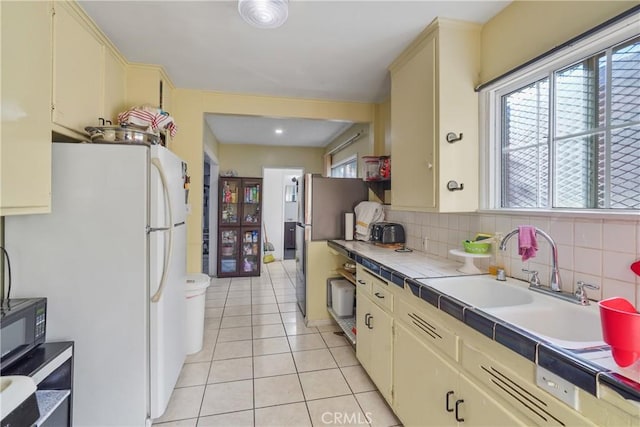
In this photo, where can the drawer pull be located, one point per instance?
(458, 403)
(379, 295)
(366, 319)
(447, 406)
(369, 324)
(362, 282)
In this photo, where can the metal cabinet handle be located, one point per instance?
(369, 324)
(366, 319)
(362, 282)
(447, 407)
(458, 403)
(379, 295)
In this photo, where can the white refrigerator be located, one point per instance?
(111, 259)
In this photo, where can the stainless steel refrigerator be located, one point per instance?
(322, 204)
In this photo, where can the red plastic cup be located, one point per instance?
(621, 329)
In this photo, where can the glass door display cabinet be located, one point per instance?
(239, 227)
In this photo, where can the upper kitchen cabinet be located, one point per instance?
(148, 85)
(25, 141)
(434, 120)
(88, 76)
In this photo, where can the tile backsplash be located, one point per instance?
(597, 251)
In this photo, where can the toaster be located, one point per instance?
(387, 232)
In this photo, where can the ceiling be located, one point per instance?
(327, 49)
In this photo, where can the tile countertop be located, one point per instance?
(585, 368)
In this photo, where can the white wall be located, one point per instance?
(273, 205)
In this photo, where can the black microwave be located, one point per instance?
(23, 326)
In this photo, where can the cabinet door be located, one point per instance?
(413, 130)
(478, 409)
(363, 330)
(250, 252)
(251, 202)
(381, 350)
(115, 80)
(228, 251)
(25, 139)
(422, 382)
(230, 202)
(78, 60)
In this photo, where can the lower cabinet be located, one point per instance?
(374, 343)
(428, 390)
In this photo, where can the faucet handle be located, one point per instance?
(534, 280)
(581, 293)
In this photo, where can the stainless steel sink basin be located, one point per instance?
(559, 322)
(483, 291)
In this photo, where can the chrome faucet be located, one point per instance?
(554, 282)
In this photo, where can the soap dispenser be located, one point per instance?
(497, 261)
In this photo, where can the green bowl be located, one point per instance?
(476, 247)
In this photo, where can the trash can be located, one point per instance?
(342, 295)
(195, 290)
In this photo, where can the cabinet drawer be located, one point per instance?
(432, 333)
(520, 393)
(382, 296)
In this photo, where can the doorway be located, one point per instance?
(210, 215)
(280, 209)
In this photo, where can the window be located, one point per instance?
(568, 136)
(347, 168)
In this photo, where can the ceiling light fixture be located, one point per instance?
(279, 131)
(264, 13)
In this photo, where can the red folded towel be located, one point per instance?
(527, 243)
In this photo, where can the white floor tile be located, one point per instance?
(344, 356)
(292, 415)
(322, 384)
(184, 403)
(233, 419)
(306, 342)
(337, 411)
(334, 340)
(358, 379)
(227, 397)
(274, 345)
(231, 370)
(277, 390)
(235, 321)
(273, 364)
(380, 414)
(299, 328)
(193, 374)
(235, 334)
(266, 319)
(268, 331)
(234, 349)
(314, 360)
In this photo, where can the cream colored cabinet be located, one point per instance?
(115, 83)
(374, 342)
(422, 382)
(433, 102)
(430, 391)
(78, 71)
(25, 139)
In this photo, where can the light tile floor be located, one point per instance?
(261, 366)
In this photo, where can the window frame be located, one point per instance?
(350, 159)
(490, 109)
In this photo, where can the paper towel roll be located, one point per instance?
(348, 226)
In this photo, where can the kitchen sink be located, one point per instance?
(559, 322)
(483, 291)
